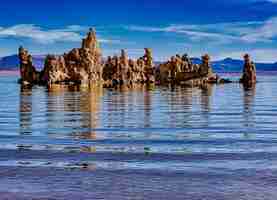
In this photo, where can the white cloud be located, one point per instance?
(37, 34)
(243, 36)
(45, 36)
(193, 32)
(266, 32)
(247, 32)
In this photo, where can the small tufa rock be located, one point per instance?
(148, 70)
(205, 68)
(249, 72)
(28, 73)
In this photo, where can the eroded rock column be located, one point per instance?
(28, 73)
(249, 72)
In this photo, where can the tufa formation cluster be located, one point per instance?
(181, 69)
(80, 65)
(85, 65)
(122, 70)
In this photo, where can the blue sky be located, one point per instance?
(222, 28)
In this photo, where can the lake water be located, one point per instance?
(70, 142)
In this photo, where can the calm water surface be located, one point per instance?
(70, 142)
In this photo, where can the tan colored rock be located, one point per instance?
(181, 70)
(54, 70)
(80, 65)
(249, 72)
(205, 67)
(107, 74)
(170, 69)
(164, 73)
(141, 66)
(135, 71)
(123, 70)
(123, 67)
(148, 70)
(86, 65)
(187, 64)
(28, 73)
(148, 58)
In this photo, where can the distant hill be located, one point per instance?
(234, 65)
(12, 62)
(225, 65)
(228, 64)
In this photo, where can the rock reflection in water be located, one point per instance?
(147, 106)
(79, 108)
(248, 107)
(25, 107)
(205, 103)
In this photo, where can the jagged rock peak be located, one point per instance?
(91, 42)
(28, 73)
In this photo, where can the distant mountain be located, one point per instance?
(234, 65)
(12, 62)
(229, 65)
(225, 65)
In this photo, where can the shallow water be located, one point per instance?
(217, 142)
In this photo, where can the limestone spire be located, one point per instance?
(90, 42)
